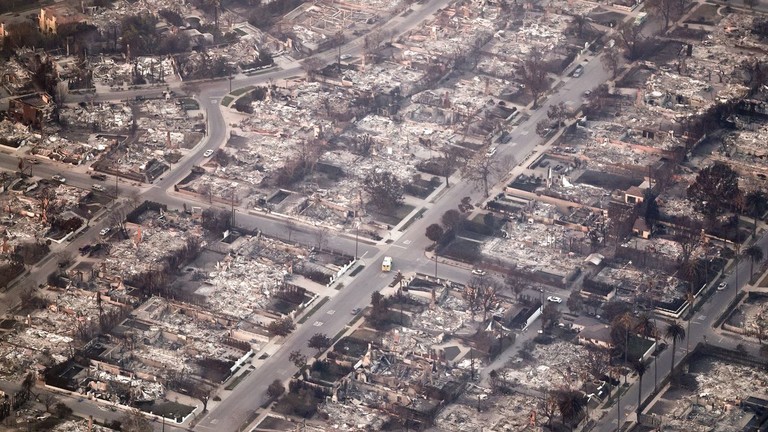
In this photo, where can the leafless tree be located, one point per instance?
(312, 66)
(688, 238)
(533, 74)
(631, 36)
(322, 235)
(481, 293)
(484, 170)
(597, 362)
(48, 400)
(611, 59)
(548, 406)
(452, 155)
(666, 9)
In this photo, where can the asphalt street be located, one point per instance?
(407, 248)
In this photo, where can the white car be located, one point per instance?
(554, 299)
(105, 231)
(58, 178)
(208, 153)
(722, 286)
(478, 272)
(98, 188)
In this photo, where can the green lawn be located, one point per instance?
(227, 100)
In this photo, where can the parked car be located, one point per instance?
(722, 286)
(554, 299)
(478, 272)
(101, 177)
(105, 231)
(356, 311)
(58, 178)
(98, 188)
(33, 161)
(578, 71)
(208, 153)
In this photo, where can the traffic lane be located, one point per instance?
(329, 319)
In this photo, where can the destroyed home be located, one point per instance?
(35, 109)
(721, 395)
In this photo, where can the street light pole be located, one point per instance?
(357, 233)
(618, 404)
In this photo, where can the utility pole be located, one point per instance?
(357, 233)
(435, 262)
(618, 404)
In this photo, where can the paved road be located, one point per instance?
(407, 249)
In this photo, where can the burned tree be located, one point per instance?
(611, 59)
(631, 36)
(716, 189)
(666, 9)
(533, 74)
(486, 170)
(385, 190)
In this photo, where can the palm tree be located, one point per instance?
(676, 333)
(757, 204)
(640, 367)
(645, 325)
(571, 404)
(623, 323)
(755, 255)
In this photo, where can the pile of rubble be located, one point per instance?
(535, 247)
(99, 384)
(353, 417)
(79, 426)
(146, 250)
(100, 116)
(26, 349)
(17, 133)
(508, 413)
(557, 365)
(240, 286)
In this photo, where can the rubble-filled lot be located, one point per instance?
(176, 340)
(165, 133)
(553, 366)
(107, 117)
(714, 403)
(147, 247)
(478, 409)
(350, 417)
(632, 282)
(535, 247)
(751, 316)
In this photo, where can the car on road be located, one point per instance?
(554, 299)
(33, 161)
(722, 286)
(208, 153)
(58, 178)
(98, 188)
(101, 177)
(578, 71)
(587, 93)
(356, 311)
(478, 272)
(105, 231)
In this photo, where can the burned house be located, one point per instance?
(33, 109)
